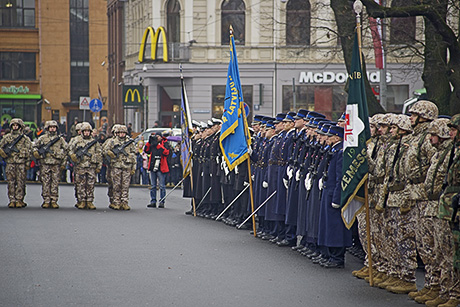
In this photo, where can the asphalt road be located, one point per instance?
(158, 257)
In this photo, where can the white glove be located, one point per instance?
(297, 175)
(290, 172)
(308, 177)
(286, 183)
(335, 206)
(223, 164)
(245, 184)
(226, 170)
(320, 183)
(210, 175)
(250, 150)
(253, 177)
(236, 169)
(202, 173)
(308, 184)
(217, 160)
(265, 184)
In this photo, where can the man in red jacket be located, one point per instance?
(158, 148)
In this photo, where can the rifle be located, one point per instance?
(83, 151)
(330, 153)
(43, 149)
(121, 148)
(391, 177)
(451, 160)
(313, 169)
(374, 150)
(11, 147)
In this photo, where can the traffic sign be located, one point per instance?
(95, 105)
(84, 103)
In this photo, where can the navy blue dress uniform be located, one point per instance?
(187, 183)
(332, 231)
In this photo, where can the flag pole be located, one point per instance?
(358, 8)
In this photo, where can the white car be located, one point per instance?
(146, 134)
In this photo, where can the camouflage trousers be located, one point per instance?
(108, 175)
(85, 178)
(49, 176)
(362, 231)
(16, 177)
(443, 255)
(455, 289)
(121, 179)
(406, 246)
(377, 221)
(424, 238)
(390, 247)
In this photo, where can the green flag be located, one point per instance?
(356, 134)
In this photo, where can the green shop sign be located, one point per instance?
(15, 89)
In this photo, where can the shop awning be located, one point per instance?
(20, 96)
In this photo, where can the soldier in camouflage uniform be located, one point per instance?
(109, 169)
(17, 162)
(420, 151)
(451, 253)
(400, 245)
(70, 145)
(440, 139)
(86, 153)
(122, 152)
(52, 162)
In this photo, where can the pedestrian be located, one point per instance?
(86, 154)
(122, 152)
(158, 149)
(17, 161)
(50, 150)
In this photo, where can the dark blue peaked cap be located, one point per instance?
(279, 118)
(336, 130)
(312, 114)
(302, 113)
(289, 117)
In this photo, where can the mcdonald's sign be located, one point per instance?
(133, 95)
(154, 36)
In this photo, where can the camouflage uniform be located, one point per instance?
(122, 167)
(51, 164)
(16, 164)
(70, 145)
(445, 213)
(441, 276)
(108, 173)
(86, 168)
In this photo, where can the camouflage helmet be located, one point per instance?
(374, 120)
(114, 128)
(455, 121)
(17, 121)
(86, 126)
(439, 127)
(402, 121)
(385, 119)
(50, 123)
(425, 109)
(78, 127)
(121, 128)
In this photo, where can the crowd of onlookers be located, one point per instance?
(141, 175)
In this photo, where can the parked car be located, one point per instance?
(146, 133)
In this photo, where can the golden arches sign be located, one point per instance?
(132, 95)
(154, 36)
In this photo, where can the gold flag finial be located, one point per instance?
(231, 30)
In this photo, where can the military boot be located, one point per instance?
(116, 207)
(361, 273)
(12, 204)
(111, 206)
(20, 204)
(430, 295)
(45, 205)
(54, 205)
(376, 276)
(80, 205)
(380, 278)
(436, 302)
(403, 287)
(390, 281)
(451, 303)
(90, 205)
(125, 207)
(414, 294)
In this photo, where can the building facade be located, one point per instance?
(289, 58)
(53, 52)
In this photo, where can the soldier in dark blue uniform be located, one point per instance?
(332, 231)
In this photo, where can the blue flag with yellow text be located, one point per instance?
(186, 129)
(234, 140)
(356, 134)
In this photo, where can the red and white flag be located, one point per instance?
(376, 30)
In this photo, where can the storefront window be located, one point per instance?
(218, 97)
(17, 13)
(17, 66)
(25, 109)
(329, 100)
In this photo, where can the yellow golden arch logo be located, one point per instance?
(133, 95)
(154, 36)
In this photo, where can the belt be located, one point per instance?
(396, 187)
(417, 180)
(379, 180)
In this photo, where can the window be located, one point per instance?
(17, 66)
(79, 49)
(218, 97)
(173, 21)
(25, 109)
(402, 29)
(233, 15)
(328, 100)
(17, 13)
(298, 18)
